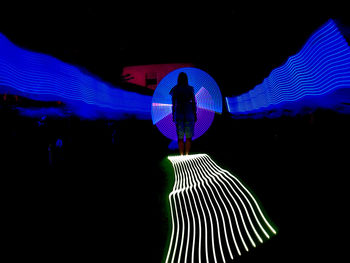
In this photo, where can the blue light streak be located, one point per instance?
(45, 78)
(311, 78)
(208, 98)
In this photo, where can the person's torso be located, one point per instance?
(183, 97)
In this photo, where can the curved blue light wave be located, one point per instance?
(208, 98)
(45, 78)
(309, 78)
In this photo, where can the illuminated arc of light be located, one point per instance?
(320, 68)
(208, 97)
(196, 199)
(165, 109)
(235, 179)
(168, 111)
(209, 183)
(220, 174)
(188, 221)
(208, 206)
(198, 94)
(204, 96)
(156, 104)
(42, 77)
(209, 171)
(195, 184)
(200, 192)
(234, 213)
(178, 166)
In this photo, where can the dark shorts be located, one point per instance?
(184, 128)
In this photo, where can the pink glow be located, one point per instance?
(139, 73)
(161, 104)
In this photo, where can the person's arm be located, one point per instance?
(173, 103)
(173, 108)
(194, 106)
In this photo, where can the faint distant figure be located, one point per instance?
(56, 154)
(184, 112)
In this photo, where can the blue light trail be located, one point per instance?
(208, 98)
(45, 78)
(312, 78)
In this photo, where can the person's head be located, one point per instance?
(182, 79)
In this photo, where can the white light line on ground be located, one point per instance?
(203, 192)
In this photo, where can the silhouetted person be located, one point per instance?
(184, 112)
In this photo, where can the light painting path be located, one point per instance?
(208, 100)
(313, 78)
(214, 216)
(162, 115)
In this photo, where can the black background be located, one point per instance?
(107, 201)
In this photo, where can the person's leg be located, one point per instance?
(180, 136)
(188, 145)
(181, 146)
(189, 129)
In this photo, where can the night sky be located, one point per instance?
(238, 44)
(105, 194)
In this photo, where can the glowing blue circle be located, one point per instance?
(208, 98)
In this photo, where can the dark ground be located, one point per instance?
(104, 201)
(108, 202)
